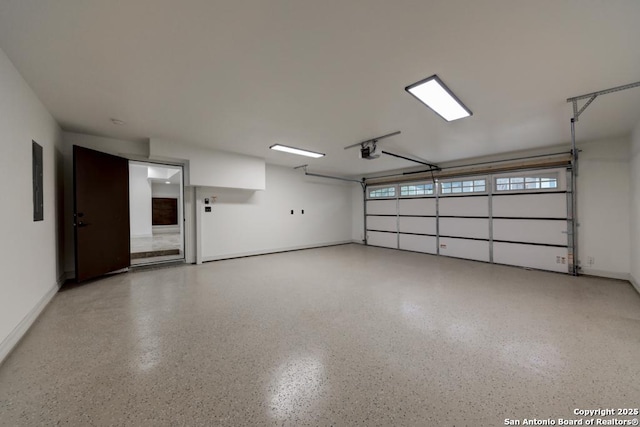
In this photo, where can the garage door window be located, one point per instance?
(524, 183)
(410, 190)
(382, 192)
(466, 186)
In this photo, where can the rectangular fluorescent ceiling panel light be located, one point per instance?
(294, 150)
(437, 96)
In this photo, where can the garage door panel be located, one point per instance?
(419, 225)
(532, 256)
(412, 242)
(387, 240)
(381, 207)
(383, 223)
(530, 231)
(464, 206)
(465, 248)
(477, 228)
(552, 205)
(417, 206)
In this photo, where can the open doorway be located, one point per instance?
(156, 213)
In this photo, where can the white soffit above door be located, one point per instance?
(243, 75)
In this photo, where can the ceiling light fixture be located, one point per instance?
(436, 95)
(167, 182)
(299, 151)
(117, 122)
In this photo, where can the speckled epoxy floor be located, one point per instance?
(347, 335)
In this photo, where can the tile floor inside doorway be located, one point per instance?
(156, 242)
(157, 248)
(346, 335)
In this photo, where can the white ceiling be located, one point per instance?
(241, 75)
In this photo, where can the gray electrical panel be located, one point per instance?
(38, 204)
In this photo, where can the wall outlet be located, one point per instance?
(443, 246)
(558, 260)
(590, 261)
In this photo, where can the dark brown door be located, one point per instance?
(101, 213)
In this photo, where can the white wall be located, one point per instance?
(357, 208)
(171, 191)
(635, 206)
(212, 168)
(30, 256)
(189, 224)
(128, 149)
(139, 201)
(244, 222)
(603, 207)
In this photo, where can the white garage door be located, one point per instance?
(417, 220)
(515, 219)
(463, 215)
(530, 220)
(382, 216)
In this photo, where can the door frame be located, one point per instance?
(185, 224)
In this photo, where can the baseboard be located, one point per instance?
(604, 273)
(64, 276)
(10, 342)
(274, 251)
(358, 241)
(634, 283)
